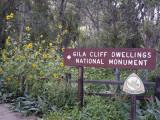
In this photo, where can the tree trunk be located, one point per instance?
(22, 24)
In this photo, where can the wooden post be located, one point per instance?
(133, 104)
(80, 86)
(157, 88)
(68, 76)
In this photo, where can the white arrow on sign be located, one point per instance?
(69, 57)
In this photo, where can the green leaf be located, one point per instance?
(155, 114)
(4, 97)
(28, 102)
(158, 102)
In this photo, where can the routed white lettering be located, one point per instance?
(110, 61)
(91, 54)
(149, 55)
(102, 62)
(74, 54)
(105, 53)
(98, 61)
(77, 60)
(113, 54)
(145, 62)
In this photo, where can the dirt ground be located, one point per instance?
(6, 114)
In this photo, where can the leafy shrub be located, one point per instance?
(60, 93)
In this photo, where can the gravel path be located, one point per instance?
(6, 114)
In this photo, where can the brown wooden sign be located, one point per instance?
(132, 58)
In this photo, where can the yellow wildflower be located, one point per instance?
(43, 41)
(45, 56)
(17, 58)
(29, 45)
(34, 65)
(9, 78)
(54, 58)
(27, 28)
(40, 50)
(11, 15)
(58, 36)
(41, 36)
(41, 72)
(24, 47)
(21, 57)
(63, 49)
(36, 53)
(62, 60)
(60, 26)
(56, 47)
(66, 31)
(5, 83)
(53, 49)
(62, 64)
(0, 69)
(8, 42)
(54, 74)
(17, 81)
(30, 76)
(9, 37)
(50, 44)
(25, 53)
(61, 40)
(7, 17)
(4, 57)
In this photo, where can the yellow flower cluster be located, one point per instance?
(0, 69)
(43, 41)
(50, 44)
(8, 43)
(60, 26)
(34, 65)
(9, 16)
(41, 72)
(58, 36)
(27, 28)
(45, 56)
(55, 75)
(30, 76)
(63, 49)
(61, 40)
(29, 45)
(66, 31)
(4, 57)
(62, 64)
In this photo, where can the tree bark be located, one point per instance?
(22, 24)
